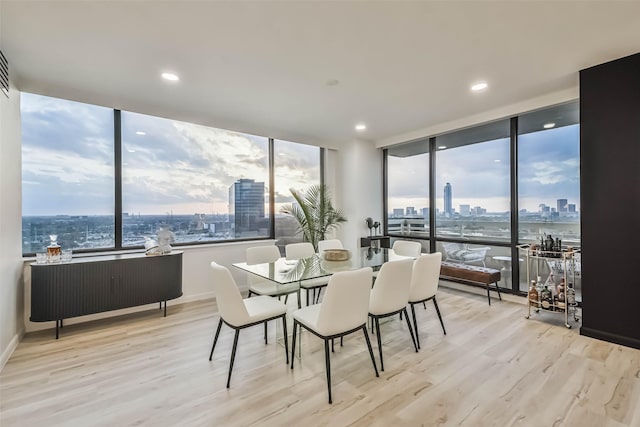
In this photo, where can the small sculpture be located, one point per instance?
(162, 245)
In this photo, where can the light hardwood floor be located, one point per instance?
(494, 368)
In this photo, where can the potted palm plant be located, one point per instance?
(314, 213)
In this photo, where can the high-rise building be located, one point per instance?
(572, 207)
(246, 206)
(465, 210)
(425, 213)
(448, 200)
(562, 205)
(411, 211)
(398, 213)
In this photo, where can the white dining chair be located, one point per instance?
(390, 296)
(343, 311)
(424, 286)
(323, 245)
(295, 251)
(261, 286)
(239, 314)
(407, 248)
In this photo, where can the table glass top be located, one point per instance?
(288, 271)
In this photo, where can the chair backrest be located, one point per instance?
(230, 305)
(345, 305)
(262, 254)
(391, 289)
(299, 250)
(407, 248)
(329, 244)
(425, 276)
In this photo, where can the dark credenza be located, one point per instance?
(97, 284)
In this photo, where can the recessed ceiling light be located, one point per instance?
(441, 147)
(479, 86)
(170, 76)
(140, 133)
(361, 127)
(549, 125)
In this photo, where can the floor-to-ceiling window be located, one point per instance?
(549, 180)
(408, 189)
(485, 199)
(67, 174)
(206, 184)
(104, 179)
(296, 167)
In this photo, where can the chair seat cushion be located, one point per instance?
(270, 288)
(308, 316)
(314, 283)
(263, 307)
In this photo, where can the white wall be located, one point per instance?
(11, 290)
(355, 176)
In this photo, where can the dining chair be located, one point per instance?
(238, 313)
(323, 245)
(260, 286)
(403, 248)
(407, 248)
(390, 296)
(295, 251)
(343, 311)
(424, 286)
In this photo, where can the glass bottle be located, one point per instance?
(571, 294)
(546, 298)
(533, 294)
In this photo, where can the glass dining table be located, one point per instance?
(285, 271)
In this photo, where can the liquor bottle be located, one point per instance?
(546, 299)
(561, 287)
(533, 295)
(571, 294)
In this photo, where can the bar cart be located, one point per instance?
(545, 292)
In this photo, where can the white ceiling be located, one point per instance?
(262, 67)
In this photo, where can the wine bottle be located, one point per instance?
(533, 295)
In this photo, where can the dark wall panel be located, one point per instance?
(610, 200)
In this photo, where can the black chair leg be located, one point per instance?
(284, 329)
(424, 304)
(318, 297)
(435, 303)
(299, 299)
(307, 297)
(341, 341)
(265, 332)
(378, 336)
(249, 294)
(413, 340)
(373, 360)
(286, 298)
(328, 365)
(233, 356)
(215, 339)
(415, 324)
(293, 342)
(332, 351)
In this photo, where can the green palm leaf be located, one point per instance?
(314, 213)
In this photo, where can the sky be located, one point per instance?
(167, 166)
(548, 169)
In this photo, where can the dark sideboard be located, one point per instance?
(102, 283)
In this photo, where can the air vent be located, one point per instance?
(4, 75)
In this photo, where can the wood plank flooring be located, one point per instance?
(493, 368)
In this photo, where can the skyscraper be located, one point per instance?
(562, 205)
(448, 201)
(246, 206)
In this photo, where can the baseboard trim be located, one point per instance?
(610, 337)
(13, 344)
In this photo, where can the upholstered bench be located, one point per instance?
(472, 274)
